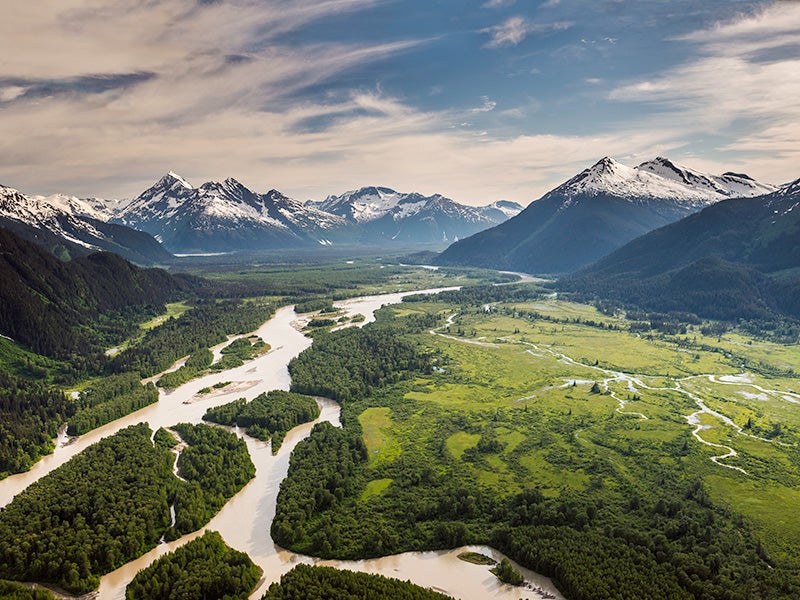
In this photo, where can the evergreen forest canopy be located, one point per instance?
(406, 474)
(204, 568)
(113, 504)
(270, 415)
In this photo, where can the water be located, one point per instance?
(244, 522)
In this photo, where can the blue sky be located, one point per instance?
(477, 100)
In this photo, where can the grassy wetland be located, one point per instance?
(585, 448)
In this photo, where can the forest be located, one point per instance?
(108, 399)
(202, 569)
(30, 415)
(325, 583)
(351, 362)
(647, 525)
(269, 415)
(206, 325)
(113, 504)
(15, 591)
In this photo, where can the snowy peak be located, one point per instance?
(75, 225)
(727, 185)
(661, 180)
(227, 215)
(363, 205)
(613, 178)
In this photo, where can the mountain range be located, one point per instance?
(736, 259)
(384, 214)
(596, 212)
(71, 227)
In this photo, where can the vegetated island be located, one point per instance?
(203, 568)
(305, 581)
(269, 415)
(110, 504)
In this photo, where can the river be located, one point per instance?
(244, 522)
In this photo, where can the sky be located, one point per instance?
(476, 100)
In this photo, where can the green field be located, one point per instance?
(629, 438)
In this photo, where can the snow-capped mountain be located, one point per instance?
(727, 185)
(719, 262)
(227, 216)
(70, 226)
(385, 214)
(595, 212)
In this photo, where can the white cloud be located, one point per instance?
(742, 85)
(487, 106)
(514, 30)
(509, 33)
(498, 3)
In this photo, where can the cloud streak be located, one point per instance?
(729, 90)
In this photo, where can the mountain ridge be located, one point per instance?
(588, 216)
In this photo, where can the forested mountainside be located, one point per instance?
(61, 308)
(737, 259)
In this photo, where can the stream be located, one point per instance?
(244, 522)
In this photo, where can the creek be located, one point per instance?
(244, 522)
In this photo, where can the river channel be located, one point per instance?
(244, 522)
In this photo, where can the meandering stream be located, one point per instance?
(244, 522)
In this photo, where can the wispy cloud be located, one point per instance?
(498, 3)
(514, 30)
(730, 84)
(487, 106)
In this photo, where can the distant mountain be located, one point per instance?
(736, 259)
(594, 213)
(69, 227)
(385, 214)
(60, 308)
(226, 216)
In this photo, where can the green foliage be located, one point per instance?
(112, 507)
(313, 304)
(623, 506)
(270, 414)
(113, 504)
(196, 364)
(204, 568)
(326, 583)
(15, 591)
(239, 351)
(318, 322)
(216, 465)
(199, 328)
(75, 309)
(321, 474)
(349, 363)
(506, 572)
(109, 399)
(30, 415)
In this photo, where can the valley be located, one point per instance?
(529, 400)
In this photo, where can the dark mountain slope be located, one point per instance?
(732, 260)
(67, 234)
(592, 214)
(60, 308)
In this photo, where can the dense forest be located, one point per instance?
(349, 363)
(113, 504)
(108, 399)
(30, 415)
(216, 465)
(206, 325)
(202, 569)
(75, 309)
(15, 591)
(324, 583)
(652, 530)
(269, 415)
